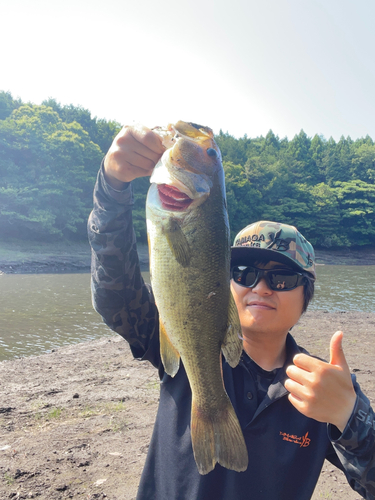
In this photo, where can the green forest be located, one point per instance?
(50, 155)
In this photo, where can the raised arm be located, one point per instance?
(118, 291)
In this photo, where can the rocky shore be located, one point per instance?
(76, 422)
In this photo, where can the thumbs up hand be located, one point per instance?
(322, 391)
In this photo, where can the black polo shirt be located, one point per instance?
(286, 449)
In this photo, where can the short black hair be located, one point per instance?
(308, 291)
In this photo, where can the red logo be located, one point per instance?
(303, 441)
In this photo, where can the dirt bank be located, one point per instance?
(49, 259)
(21, 258)
(37, 257)
(76, 423)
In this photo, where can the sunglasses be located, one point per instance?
(280, 280)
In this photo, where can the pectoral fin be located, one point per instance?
(177, 242)
(169, 354)
(232, 345)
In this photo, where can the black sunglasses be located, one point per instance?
(280, 280)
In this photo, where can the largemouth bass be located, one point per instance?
(189, 245)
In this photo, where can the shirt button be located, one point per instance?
(249, 395)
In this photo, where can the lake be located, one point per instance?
(40, 312)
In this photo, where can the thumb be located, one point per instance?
(336, 350)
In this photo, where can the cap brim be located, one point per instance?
(242, 256)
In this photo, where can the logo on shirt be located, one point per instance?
(367, 418)
(303, 441)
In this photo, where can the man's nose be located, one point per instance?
(262, 288)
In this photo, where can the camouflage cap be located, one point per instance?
(279, 242)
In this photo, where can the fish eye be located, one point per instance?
(211, 152)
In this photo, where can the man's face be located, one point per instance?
(264, 311)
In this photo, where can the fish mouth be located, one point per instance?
(172, 198)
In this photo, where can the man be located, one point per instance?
(283, 398)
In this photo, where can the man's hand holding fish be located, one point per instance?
(133, 153)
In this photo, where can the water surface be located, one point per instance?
(345, 288)
(40, 312)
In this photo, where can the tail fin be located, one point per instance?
(218, 438)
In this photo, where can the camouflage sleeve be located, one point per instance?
(119, 293)
(355, 447)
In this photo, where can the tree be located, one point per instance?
(337, 160)
(357, 209)
(363, 163)
(300, 162)
(101, 132)
(7, 104)
(317, 151)
(50, 154)
(243, 199)
(326, 230)
(48, 171)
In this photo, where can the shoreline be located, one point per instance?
(78, 259)
(76, 422)
(75, 260)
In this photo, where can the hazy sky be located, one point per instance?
(245, 66)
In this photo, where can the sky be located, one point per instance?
(242, 66)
